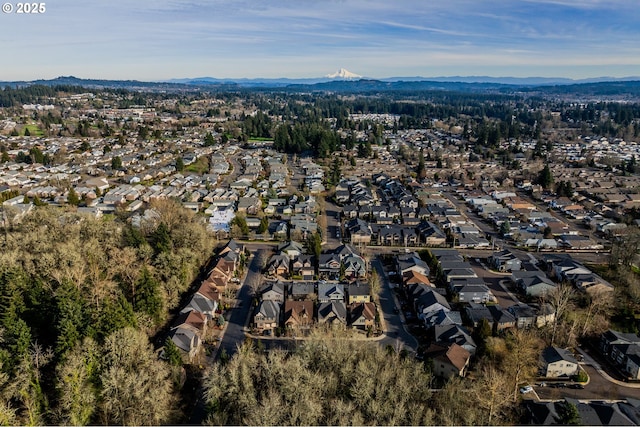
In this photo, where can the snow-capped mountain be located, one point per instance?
(343, 74)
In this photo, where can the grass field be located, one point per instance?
(201, 166)
(34, 130)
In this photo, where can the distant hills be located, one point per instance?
(345, 81)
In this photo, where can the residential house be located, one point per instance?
(211, 293)
(449, 360)
(279, 265)
(358, 293)
(273, 291)
(193, 320)
(354, 266)
(532, 283)
(292, 249)
(431, 234)
(187, 340)
(266, 315)
(615, 345)
(502, 318)
(330, 292)
(302, 290)
(249, 205)
(454, 333)
(411, 262)
(298, 314)
(632, 366)
(524, 314)
(413, 277)
(388, 235)
(557, 362)
(474, 293)
(201, 304)
(333, 313)
(476, 313)
(430, 301)
(303, 266)
(359, 231)
(329, 266)
(505, 261)
(362, 315)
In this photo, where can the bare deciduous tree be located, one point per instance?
(560, 299)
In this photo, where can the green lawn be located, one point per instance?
(34, 130)
(201, 166)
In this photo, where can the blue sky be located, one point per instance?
(163, 39)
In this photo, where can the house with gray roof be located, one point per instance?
(455, 333)
(186, 340)
(557, 362)
(266, 315)
(505, 261)
(330, 292)
(532, 283)
(333, 313)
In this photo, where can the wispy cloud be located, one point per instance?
(247, 38)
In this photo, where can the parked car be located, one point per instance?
(526, 389)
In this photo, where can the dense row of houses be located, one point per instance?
(396, 215)
(297, 306)
(622, 350)
(590, 413)
(458, 301)
(189, 329)
(339, 297)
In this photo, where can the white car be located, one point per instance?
(526, 389)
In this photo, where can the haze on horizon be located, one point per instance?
(164, 39)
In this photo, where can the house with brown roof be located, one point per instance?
(412, 277)
(298, 314)
(448, 359)
(193, 320)
(362, 315)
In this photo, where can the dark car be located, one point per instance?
(577, 386)
(395, 310)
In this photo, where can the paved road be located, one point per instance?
(234, 334)
(396, 334)
(333, 225)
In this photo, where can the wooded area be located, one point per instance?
(81, 298)
(331, 380)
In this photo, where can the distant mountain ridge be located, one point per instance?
(604, 86)
(344, 74)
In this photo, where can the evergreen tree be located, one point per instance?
(161, 239)
(147, 298)
(545, 178)
(172, 353)
(420, 170)
(264, 225)
(179, 164)
(116, 163)
(209, 140)
(568, 414)
(72, 197)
